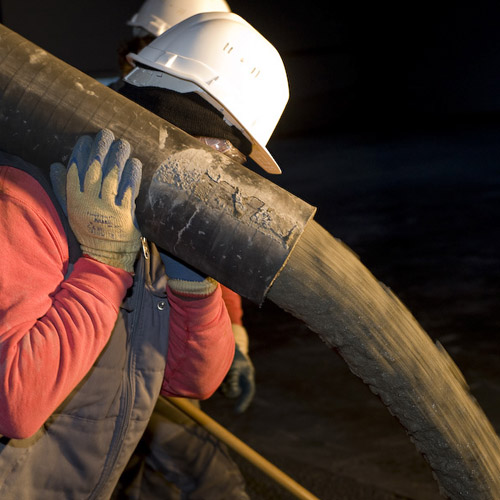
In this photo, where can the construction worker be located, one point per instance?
(152, 19)
(88, 311)
(215, 77)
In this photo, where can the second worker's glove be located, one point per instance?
(98, 192)
(240, 380)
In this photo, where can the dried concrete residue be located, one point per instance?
(238, 202)
(179, 172)
(79, 86)
(181, 232)
(37, 56)
(162, 137)
(198, 176)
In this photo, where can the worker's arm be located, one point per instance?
(201, 343)
(51, 329)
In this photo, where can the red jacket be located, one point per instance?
(52, 329)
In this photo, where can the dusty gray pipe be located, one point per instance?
(215, 214)
(241, 229)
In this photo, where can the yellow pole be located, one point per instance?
(243, 449)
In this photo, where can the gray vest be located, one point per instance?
(81, 450)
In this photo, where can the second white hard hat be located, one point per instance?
(156, 16)
(227, 62)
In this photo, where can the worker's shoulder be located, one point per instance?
(21, 188)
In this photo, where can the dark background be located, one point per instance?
(355, 64)
(392, 132)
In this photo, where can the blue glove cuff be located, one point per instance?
(174, 269)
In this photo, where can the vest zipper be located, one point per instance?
(117, 440)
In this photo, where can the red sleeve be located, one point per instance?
(200, 346)
(233, 304)
(51, 329)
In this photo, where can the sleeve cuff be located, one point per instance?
(193, 289)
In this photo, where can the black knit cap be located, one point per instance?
(189, 112)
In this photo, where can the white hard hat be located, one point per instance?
(228, 63)
(156, 16)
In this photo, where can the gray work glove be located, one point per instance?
(98, 192)
(240, 380)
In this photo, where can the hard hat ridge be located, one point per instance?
(156, 16)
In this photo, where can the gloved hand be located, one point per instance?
(98, 192)
(240, 380)
(186, 281)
